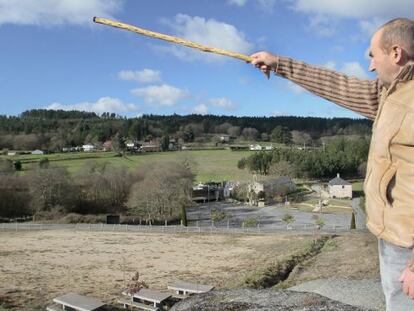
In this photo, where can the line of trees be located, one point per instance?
(347, 157)
(55, 129)
(152, 192)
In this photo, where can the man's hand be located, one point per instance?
(265, 61)
(407, 280)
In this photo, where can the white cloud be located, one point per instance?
(369, 15)
(330, 65)
(143, 76)
(278, 113)
(354, 69)
(162, 95)
(356, 8)
(209, 32)
(224, 103)
(294, 88)
(369, 27)
(322, 26)
(237, 2)
(55, 12)
(200, 109)
(266, 5)
(103, 104)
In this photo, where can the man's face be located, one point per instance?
(381, 62)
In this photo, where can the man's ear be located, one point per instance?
(397, 54)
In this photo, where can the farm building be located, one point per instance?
(339, 188)
(261, 192)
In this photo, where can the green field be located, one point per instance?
(210, 165)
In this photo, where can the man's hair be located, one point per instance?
(399, 31)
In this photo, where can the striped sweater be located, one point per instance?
(360, 96)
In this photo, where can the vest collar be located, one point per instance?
(406, 74)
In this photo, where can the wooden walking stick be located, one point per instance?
(168, 38)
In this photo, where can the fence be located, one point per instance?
(302, 229)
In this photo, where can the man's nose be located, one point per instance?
(371, 66)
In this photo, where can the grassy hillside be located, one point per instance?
(214, 165)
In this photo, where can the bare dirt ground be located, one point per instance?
(35, 267)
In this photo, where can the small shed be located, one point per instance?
(38, 152)
(339, 188)
(72, 301)
(112, 219)
(183, 289)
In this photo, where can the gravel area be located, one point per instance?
(366, 293)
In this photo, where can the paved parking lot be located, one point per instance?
(269, 216)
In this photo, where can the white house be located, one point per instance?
(37, 151)
(339, 188)
(88, 147)
(255, 147)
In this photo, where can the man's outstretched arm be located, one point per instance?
(360, 96)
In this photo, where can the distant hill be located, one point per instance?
(55, 129)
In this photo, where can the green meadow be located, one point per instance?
(209, 165)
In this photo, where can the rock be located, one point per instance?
(261, 300)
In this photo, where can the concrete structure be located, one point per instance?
(75, 302)
(224, 138)
(185, 289)
(88, 147)
(339, 188)
(147, 299)
(150, 147)
(208, 192)
(38, 152)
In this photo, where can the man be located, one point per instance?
(389, 183)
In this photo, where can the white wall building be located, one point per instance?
(339, 188)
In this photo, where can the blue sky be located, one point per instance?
(53, 56)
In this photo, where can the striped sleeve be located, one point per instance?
(360, 96)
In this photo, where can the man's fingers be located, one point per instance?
(402, 277)
(405, 288)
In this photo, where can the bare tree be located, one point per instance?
(162, 191)
(51, 189)
(282, 168)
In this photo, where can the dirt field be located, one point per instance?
(38, 266)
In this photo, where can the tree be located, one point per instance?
(162, 191)
(118, 143)
(288, 219)
(281, 134)
(6, 167)
(282, 168)
(103, 188)
(353, 223)
(319, 222)
(250, 133)
(165, 143)
(301, 138)
(18, 165)
(44, 163)
(51, 189)
(14, 197)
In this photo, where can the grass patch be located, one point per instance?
(210, 165)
